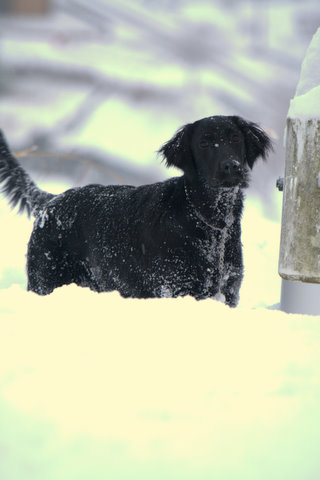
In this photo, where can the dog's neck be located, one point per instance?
(215, 207)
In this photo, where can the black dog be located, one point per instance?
(177, 237)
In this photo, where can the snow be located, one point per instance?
(306, 103)
(94, 386)
(306, 106)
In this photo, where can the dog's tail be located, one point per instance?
(17, 185)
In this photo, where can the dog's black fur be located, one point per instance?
(177, 237)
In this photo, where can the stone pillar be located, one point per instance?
(300, 234)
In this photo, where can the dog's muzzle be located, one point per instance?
(231, 168)
(232, 173)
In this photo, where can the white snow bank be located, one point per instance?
(306, 106)
(306, 103)
(95, 386)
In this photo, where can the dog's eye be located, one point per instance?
(235, 138)
(204, 143)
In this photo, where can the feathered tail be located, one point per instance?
(17, 185)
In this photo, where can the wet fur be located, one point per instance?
(173, 238)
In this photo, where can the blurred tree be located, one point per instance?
(24, 7)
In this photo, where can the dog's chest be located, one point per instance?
(219, 244)
(213, 251)
(219, 225)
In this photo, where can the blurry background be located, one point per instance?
(98, 86)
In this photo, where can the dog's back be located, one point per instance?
(110, 238)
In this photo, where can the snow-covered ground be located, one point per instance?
(96, 387)
(93, 386)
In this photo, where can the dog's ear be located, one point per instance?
(258, 143)
(177, 151)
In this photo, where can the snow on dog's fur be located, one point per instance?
(173, 238)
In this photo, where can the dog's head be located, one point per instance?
(218, 149)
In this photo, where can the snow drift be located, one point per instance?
(95, 386)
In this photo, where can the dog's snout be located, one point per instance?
(231, 167)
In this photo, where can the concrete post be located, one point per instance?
(300, 232)
(299, 259)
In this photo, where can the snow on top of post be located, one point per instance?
(306, 103)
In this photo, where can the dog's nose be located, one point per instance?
(231, 167)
